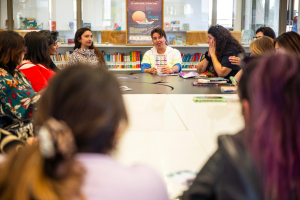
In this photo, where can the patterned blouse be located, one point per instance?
(17, 98)
(83, 56)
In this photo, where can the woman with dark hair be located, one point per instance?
(51, 37)
(82, 111)
(18, 99)
(265, 31)
(263, 161)
(289, 42)
(84, 50)
(35, 61)
(222, 45)
(173, 56)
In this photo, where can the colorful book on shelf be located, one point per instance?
(31, 24)
(185, 26)
(52, 25)
(167, 26)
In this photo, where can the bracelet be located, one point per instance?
(171, 71)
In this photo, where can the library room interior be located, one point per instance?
(149, 99)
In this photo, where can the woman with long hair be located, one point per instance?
(36, 60)
(288, 42)
(84, 103)
(84, 50)
(18, 99)
(51, 37)
(262, 161)
(222, 45)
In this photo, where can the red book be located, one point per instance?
(52, 25)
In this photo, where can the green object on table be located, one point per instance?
(233, 80)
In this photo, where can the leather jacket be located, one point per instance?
(228, 174)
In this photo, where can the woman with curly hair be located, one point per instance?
(222, 45)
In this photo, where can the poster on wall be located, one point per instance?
(142, 17)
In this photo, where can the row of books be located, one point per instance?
(61, 60)
(120, 61)
(191, 60)
(117, 60)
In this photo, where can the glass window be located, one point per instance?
(46, 15)
(261, 13)
(104, 14)
(225, 13)
(195, 14)
(3, 14)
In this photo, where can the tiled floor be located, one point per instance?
(172, 133)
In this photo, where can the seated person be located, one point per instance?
(82, 111)
(258, 47)
(174, 61)
(262, 161)
(288, 42)
(265, 31)
(85, 51)
(51, 37)
(36, 60)
(222, 45)
(17, 98)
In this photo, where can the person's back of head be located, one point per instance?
(289, 41)
(267, 31)
(37, 48)
(272, 122)
(12, 48)
(90, 102)
(262, 45)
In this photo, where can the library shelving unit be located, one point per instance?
(110, 49)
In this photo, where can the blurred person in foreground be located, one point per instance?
(81, 118)
(262, 161)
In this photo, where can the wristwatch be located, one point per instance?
(171, 71)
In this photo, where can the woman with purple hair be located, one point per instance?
(263, 161)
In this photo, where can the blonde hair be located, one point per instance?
(262, 45)
(29, 174)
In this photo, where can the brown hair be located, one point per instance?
(89, 101)
(262, 45)
(289, 41)
(23, 177)
(37, 48)
(160, 31)
(267, 31)
(78, 34)
(12, 46)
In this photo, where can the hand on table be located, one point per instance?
(153, 70)
(166, 70)
(235, 60)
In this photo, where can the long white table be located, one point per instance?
(170, 132)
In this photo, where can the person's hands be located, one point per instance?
(153, 70)
(235, 60)
(166, 70)
(212, 49)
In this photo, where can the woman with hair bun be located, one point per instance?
(81, 118)
(222, 45)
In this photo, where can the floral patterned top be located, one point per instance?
(17, 98)
(83, 56)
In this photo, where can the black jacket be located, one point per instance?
(228, 175)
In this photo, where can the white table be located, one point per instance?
(170, 132)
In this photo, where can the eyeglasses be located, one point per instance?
(256, 37)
